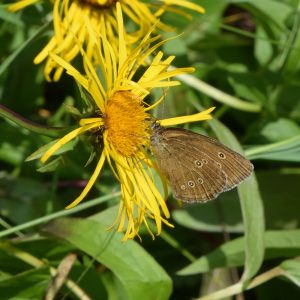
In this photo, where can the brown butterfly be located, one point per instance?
(198, 168)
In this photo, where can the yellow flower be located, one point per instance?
(124, 123)
(70, 19)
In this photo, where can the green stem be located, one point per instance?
(218, 95)
(238, 287)
(6, 113)
(273, 146)
(58, 214)
(174, 243)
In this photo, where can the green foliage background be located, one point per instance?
(247, 60)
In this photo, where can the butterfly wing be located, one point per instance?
(192, 174)
(235, 166)
(198, 168)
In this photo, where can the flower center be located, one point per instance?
(101, 4)
(126, 123)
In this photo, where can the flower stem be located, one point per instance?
(238, 287)
(8, 114)
(58, 214)
(218, 95)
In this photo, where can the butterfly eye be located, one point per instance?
(221, 155)
(182, 187)
(200, 180)
(198, 163)
(191, 184)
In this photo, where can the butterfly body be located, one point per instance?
(198, 168)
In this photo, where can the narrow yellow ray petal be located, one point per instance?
(21, 4)
(57, 22)
(201, 116)
(168, 74)
(71, 70)
(110, 163)
(45, 51)
(87, 121)
(68, 137)
(154, 84)
(156, 103)
(90, 182)
(122, 217)
(122, 43)
(148, 228)
(186, 4)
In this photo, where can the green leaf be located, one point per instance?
(231, 254)
(263, 46)
(11, 155)
(6, 63)
(279, 189)
(20, 199)
(286, 150)
(41, 151)
(247, 86)
(280, 130)
(52, 165)
(27, 285)
(223, 213)
(292, 270)
(271, 12)
(292, 64)
(207, 217)
(214, 41)
(10, 17)
(175, 46)
(251, 206)
(140, 275)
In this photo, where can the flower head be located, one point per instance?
(125, 124)
(71, 19)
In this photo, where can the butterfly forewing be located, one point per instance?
(201, 182)
(198, 167)
(235, 166)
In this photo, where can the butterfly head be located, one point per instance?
(157, 130)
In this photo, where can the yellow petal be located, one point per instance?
(201, 116)
(122, 43)
(186, 4)
(68, 137)
(90, 182)
(21, 4)
(71, 70)
(87, 121)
